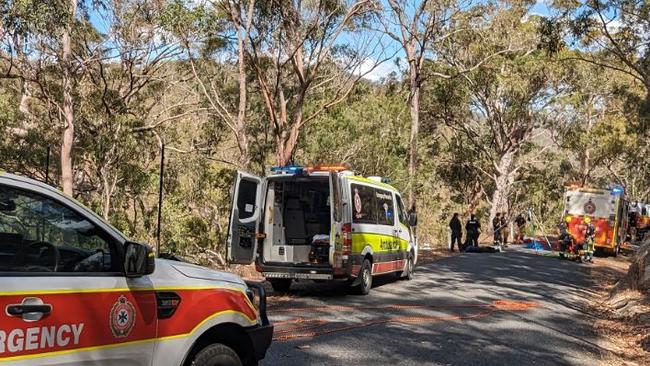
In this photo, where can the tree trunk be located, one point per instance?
(286, 145)
(474, 199)
(503, 181)
(240, 124)
(67, 174)
(586, 161)
(414, 106)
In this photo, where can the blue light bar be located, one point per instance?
(290, 169)
(618, 190)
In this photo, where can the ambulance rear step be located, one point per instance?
(301, 276)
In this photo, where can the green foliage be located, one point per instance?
(561, 119)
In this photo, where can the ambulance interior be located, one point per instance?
(297, 221)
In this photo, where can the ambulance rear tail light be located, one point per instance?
(347, 239)
(167, 303)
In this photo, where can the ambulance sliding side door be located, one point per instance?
(245, 216)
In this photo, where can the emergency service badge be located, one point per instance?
(357, 203)
(590, 208)
(122, 318)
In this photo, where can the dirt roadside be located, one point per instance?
(623, 319)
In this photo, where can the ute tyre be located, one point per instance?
(365, 278)
(217, 355)
(281, 285)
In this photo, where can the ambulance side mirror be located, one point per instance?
(139, 259)
(413, 219)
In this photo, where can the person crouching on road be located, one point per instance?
(496, 228)
(456, 231)
(473, 229)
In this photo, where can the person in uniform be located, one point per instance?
(496, 228)
(456, 231)
(504, 229)
(473, 229)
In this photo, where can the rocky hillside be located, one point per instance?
(638, 275)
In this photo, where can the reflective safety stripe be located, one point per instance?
(106, 319)
(378, 242)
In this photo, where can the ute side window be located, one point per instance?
(38, 234)
(364, 206)
(385, 207)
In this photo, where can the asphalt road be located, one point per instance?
(457, 316)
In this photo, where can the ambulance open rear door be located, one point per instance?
(245, 216)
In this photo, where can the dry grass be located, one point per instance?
(623, 319)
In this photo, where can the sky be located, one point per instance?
(379, 72)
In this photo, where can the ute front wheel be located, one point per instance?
(217, 355)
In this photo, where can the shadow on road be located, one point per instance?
(557, 333)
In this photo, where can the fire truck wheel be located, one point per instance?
(217, 355)
(366, 278)
(281, 285)
(616, 250)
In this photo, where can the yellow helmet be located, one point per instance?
(587, 220)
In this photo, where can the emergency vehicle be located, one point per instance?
(640, 214)
(606, 209)
(320, 223)
(76, 291)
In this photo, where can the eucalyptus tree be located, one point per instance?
(307, 56)
(423, 29)
(38, 36)
(499, 108)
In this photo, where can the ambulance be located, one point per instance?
(640, 213)
(606, 209)
(320, 223)
(76, 291)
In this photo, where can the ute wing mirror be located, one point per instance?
(139, 260)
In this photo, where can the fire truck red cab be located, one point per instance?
(606, 209)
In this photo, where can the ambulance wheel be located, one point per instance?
(281, 285)
(365, 278)
(217, 355)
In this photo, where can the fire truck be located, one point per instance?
(606, 209)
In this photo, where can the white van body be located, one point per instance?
(321, 225)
